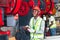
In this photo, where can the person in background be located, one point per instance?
(52, 25)
(36, 25)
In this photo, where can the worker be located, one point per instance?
(36, 25)
(52, 25)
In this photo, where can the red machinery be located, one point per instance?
(13, 7)
(10, 7)
(24, 9)
(1, 21)
(1, 24)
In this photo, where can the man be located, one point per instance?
(21, 34)
(52, 25)
(37, 25)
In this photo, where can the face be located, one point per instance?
(16, 17)
(35, 13)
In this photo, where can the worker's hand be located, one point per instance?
(25, 28)
(47, 29)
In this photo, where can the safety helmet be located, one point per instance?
(36, 8)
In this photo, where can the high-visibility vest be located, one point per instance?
(54, 24)
(37, 26)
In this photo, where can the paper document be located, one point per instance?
(31, 30)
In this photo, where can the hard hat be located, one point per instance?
(36, 8)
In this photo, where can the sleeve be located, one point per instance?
(42, 26)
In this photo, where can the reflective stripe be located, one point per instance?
(36, 35)
(54, 24)
(37, 24)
